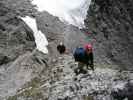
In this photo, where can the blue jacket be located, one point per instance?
(80, 55)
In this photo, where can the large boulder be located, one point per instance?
(123, 90)
(16, 37)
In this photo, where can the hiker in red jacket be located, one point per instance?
(84, 56)
(89, 52)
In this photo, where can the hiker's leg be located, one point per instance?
(88, 66)
(77, 70)
(92, 67)
(81, 68)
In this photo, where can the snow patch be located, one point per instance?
(40, 38)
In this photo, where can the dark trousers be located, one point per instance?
(80, 68)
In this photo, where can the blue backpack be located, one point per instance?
(79, 54)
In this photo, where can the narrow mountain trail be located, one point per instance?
(96, 85)
(59, 82)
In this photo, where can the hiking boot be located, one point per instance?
(76, 71)
(83, 71)
(92, 67)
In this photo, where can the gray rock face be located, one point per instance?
(51, 26)
(16, 37)
(110, 23)
(18, 57)
(27, 74)
(123, 90)
(53, 29)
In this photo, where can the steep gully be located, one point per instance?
(63, 84)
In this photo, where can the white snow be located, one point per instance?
(40, 38)
(71, 11)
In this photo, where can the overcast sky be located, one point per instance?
(62, 8)
(57, 6)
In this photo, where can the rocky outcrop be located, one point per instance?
(110, 23)
(19, 59)
(53, 29)
(123, 90)
(57, 31)
(15, 36)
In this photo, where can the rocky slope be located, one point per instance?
(110, 23)
(59, 82)
(19, 58)
(27, 74)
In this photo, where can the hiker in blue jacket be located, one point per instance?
(84, 56)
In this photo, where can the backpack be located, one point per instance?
(79, 54)
(61, 49)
